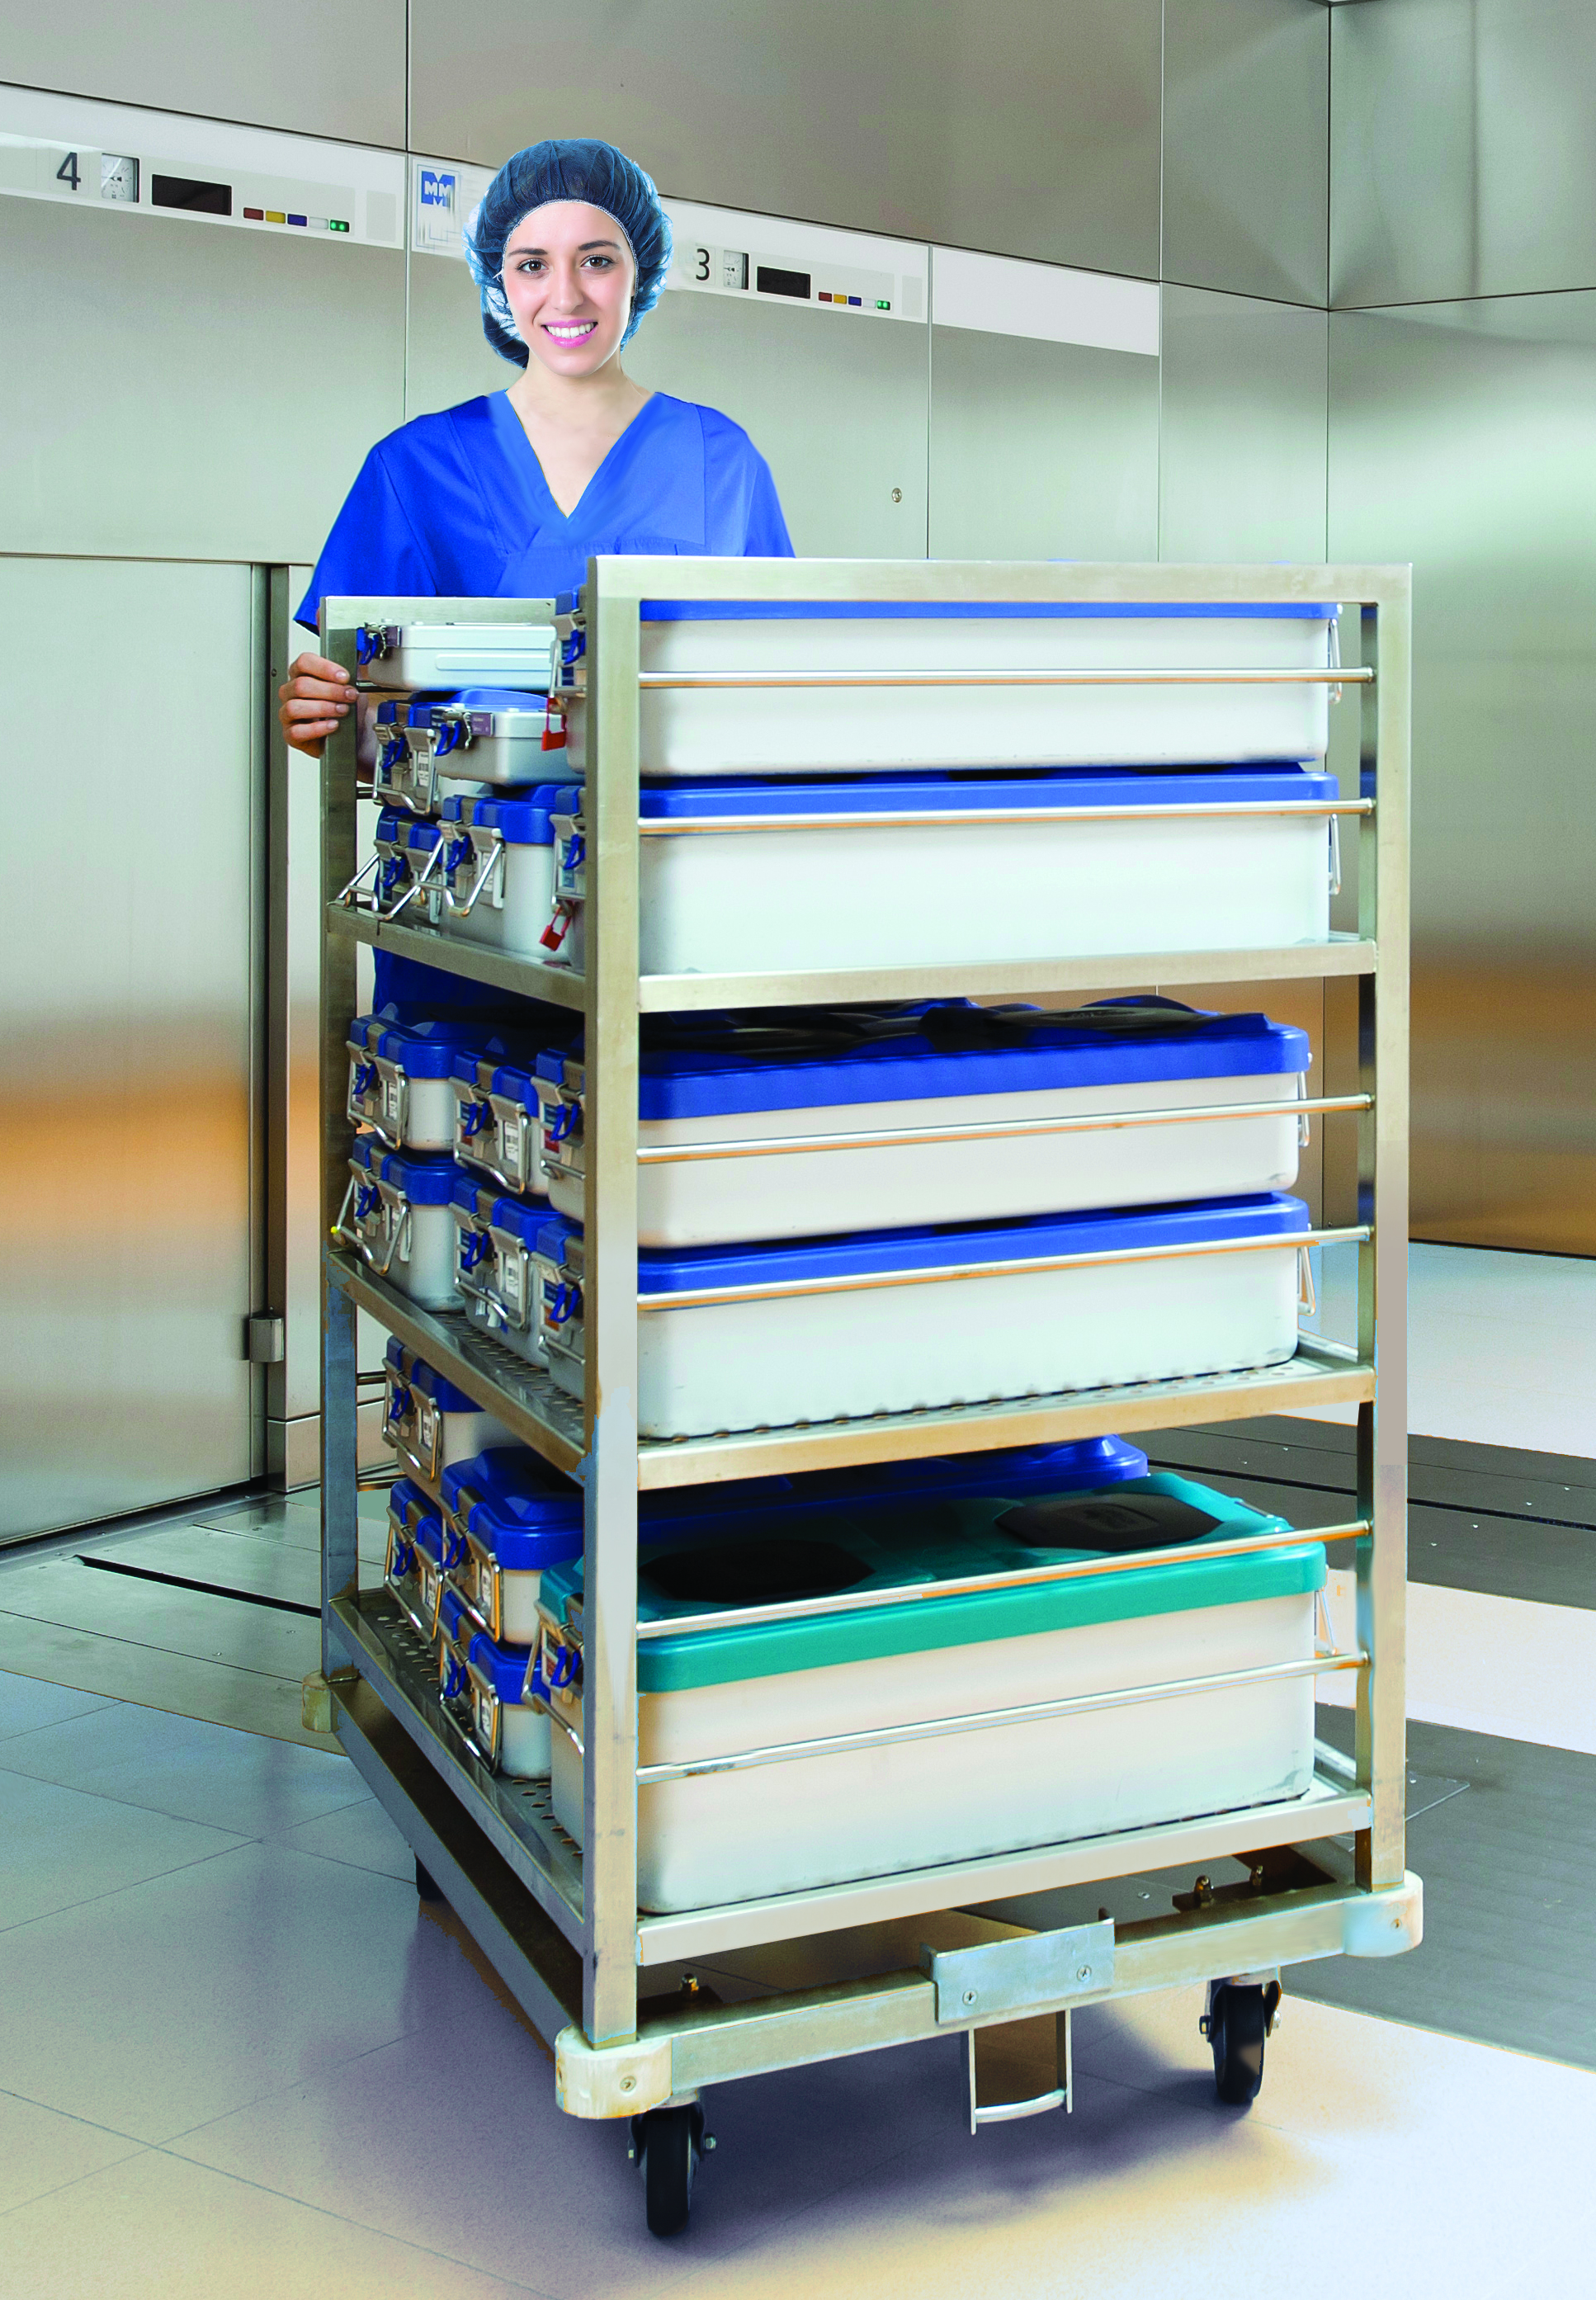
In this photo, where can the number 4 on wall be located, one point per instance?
(67, 174)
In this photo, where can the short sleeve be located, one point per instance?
(373, 548)
(767, 529)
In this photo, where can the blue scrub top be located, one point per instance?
(456, 505)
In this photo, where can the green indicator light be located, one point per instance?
(882, 304)
(334, 225)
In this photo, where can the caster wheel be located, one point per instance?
(427, 1887)
(1238, 2022)
(667, 2143)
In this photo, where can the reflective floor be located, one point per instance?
(237, 2055)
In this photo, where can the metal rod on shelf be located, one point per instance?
(996, 1129)
(781, 1289)
(729, 826)
(654, 681)
(981, 1720)
(863, 1601)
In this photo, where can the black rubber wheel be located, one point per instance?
(1238, 2022)
(667, 2143)
(427, 1886)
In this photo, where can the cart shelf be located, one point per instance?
(545, 1417)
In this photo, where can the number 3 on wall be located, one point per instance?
(702, 254)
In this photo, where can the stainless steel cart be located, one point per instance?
(644, 2011)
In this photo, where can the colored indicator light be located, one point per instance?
(334, 225)
(294, 219)
(823, 297)
(318, 223)
(856, 299)
(882, 303)
(254, 215)
(275, 215)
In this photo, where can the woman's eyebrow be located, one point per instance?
(585, 247)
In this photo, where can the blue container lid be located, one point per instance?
(901, 611)
(524, 1513)
(666, 1270)
(491, 698)
(423, 1181)
(856, 1550)
(397, 828)
(519, 1217)
(1086, 1465)
(926, 792)
(508, 1079)
(411, 1504)
(520, 821)
(415, 1373)
(504, 1666)
(419, 1050)
(454, 1616)
(954, 1047)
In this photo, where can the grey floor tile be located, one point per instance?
(360, 1834)
(158, 2229)
(27, 1703)
(182, 1765)
(59, 1847)
(169, 2003)
(41, 2151)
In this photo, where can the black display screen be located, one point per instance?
(769, 281)
(187, 192)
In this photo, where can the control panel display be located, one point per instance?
(189, 192)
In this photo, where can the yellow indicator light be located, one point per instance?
(275, 215)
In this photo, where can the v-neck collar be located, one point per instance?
(506, 420)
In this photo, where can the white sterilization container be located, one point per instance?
(767, 877)
(799, 729)
(498, 1119)
(400, 1077)
(806, 1821)
(396, 1215)
(498, 870)
(428, 1421)
(745, 1337)
(495, 1275)
(920, 1073)
(525, 656)
(490, 736)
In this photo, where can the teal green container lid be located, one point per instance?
(706, 1568)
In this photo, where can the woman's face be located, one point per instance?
(567, 277)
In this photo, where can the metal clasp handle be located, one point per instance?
(347, 897)
(418, 882)
(484, 879)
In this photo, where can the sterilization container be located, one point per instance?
(789, 722)
(884, 1321)
(426, 1420)
(747, 1144)
(492, 1246)
(498, 869)
(442, 656)
(761, 877)
(786, 1815)
(396, 1215)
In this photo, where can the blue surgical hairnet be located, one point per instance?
(565, 168)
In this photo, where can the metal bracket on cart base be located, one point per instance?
(597, 2081)
(316, 1697)
(1019, 1975)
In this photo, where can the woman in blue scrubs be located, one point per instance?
(506, 496)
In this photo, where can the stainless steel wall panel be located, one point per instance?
(175, 391)
(836, 407)
(1463, 438)
(1463, 149)
(1029, 127)
(1041, 450)
(125, 991)
(300, 65)
(1246, 145)
(1242, 466)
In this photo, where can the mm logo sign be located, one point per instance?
(438, 189)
